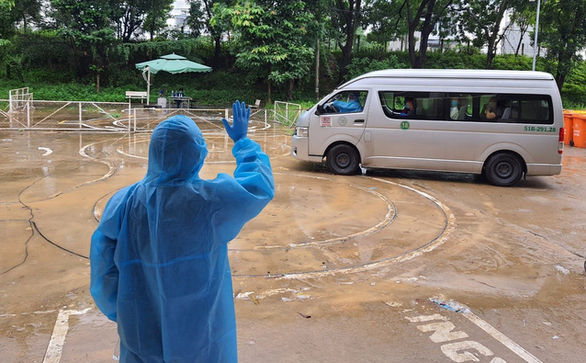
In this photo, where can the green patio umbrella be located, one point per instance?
(171, 63)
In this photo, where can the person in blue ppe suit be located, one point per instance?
(159, 256)
(353, 104)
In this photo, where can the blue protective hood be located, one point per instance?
(176, 152)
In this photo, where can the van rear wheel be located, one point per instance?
(342, 159)
(503, 169)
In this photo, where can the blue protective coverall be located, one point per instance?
(352, 106)
(159, 257)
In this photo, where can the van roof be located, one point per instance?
(454, 73)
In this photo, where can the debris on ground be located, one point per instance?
(450, 305)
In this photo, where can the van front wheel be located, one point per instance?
(342, 159)
(503, 169)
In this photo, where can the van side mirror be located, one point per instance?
(319, 110)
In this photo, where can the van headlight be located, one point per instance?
(302, 131)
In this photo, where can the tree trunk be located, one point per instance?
(217, 50)
(522, 29)
(269, 93)
(564, 67)
(346, 57)
(493, 37)
(98, 82)
(351, 15)
(75, 57)
(290, 90)
(425, 31)
(417, 59)
(411, 46)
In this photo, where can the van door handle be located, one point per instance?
(359, 121)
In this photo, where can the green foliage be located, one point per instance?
(6, 22)
(220, 88)
(157, 15)
(454, 60)
(196, 49)
(272, 39)
(363, 65)
(509, 61)
(563, 31)
(574, 91)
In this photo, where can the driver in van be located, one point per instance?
(353, 104)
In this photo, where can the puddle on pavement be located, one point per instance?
(323, 238)
(61, 182)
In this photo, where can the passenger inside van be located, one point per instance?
(489, 111)
(409, 110)
(454, 108)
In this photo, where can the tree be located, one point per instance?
(424, 11)
(87, 26)
(347, 18)
(27, 12)
(524, 17)
(392, 20)
(6, 25)
(385, 21)
(131, 17)
(272, 40)
(563, 32)
(482, 18)
(6, 29)
(156, 16)
(200, 14)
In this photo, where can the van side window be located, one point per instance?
(345, 102)
(420, 105)
(517, 108)
(471, 107)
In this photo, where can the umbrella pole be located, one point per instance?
(148, 86)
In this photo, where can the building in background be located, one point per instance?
(179, 15)
(513, 37)
(516, 41)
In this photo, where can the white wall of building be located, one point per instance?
(178, 14)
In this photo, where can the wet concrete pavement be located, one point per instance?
(391, 266)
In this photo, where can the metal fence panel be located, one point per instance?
(286, 113)
(109, 116)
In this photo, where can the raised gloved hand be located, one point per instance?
(241, 115)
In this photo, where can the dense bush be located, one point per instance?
(363, 65)
(574, 92)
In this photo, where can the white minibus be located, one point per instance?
(503, 124)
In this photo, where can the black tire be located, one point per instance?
(342, 159)
(503, 169)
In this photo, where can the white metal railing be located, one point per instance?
(108, 116)
(286, 113)
(63, 115)
(19, 99)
